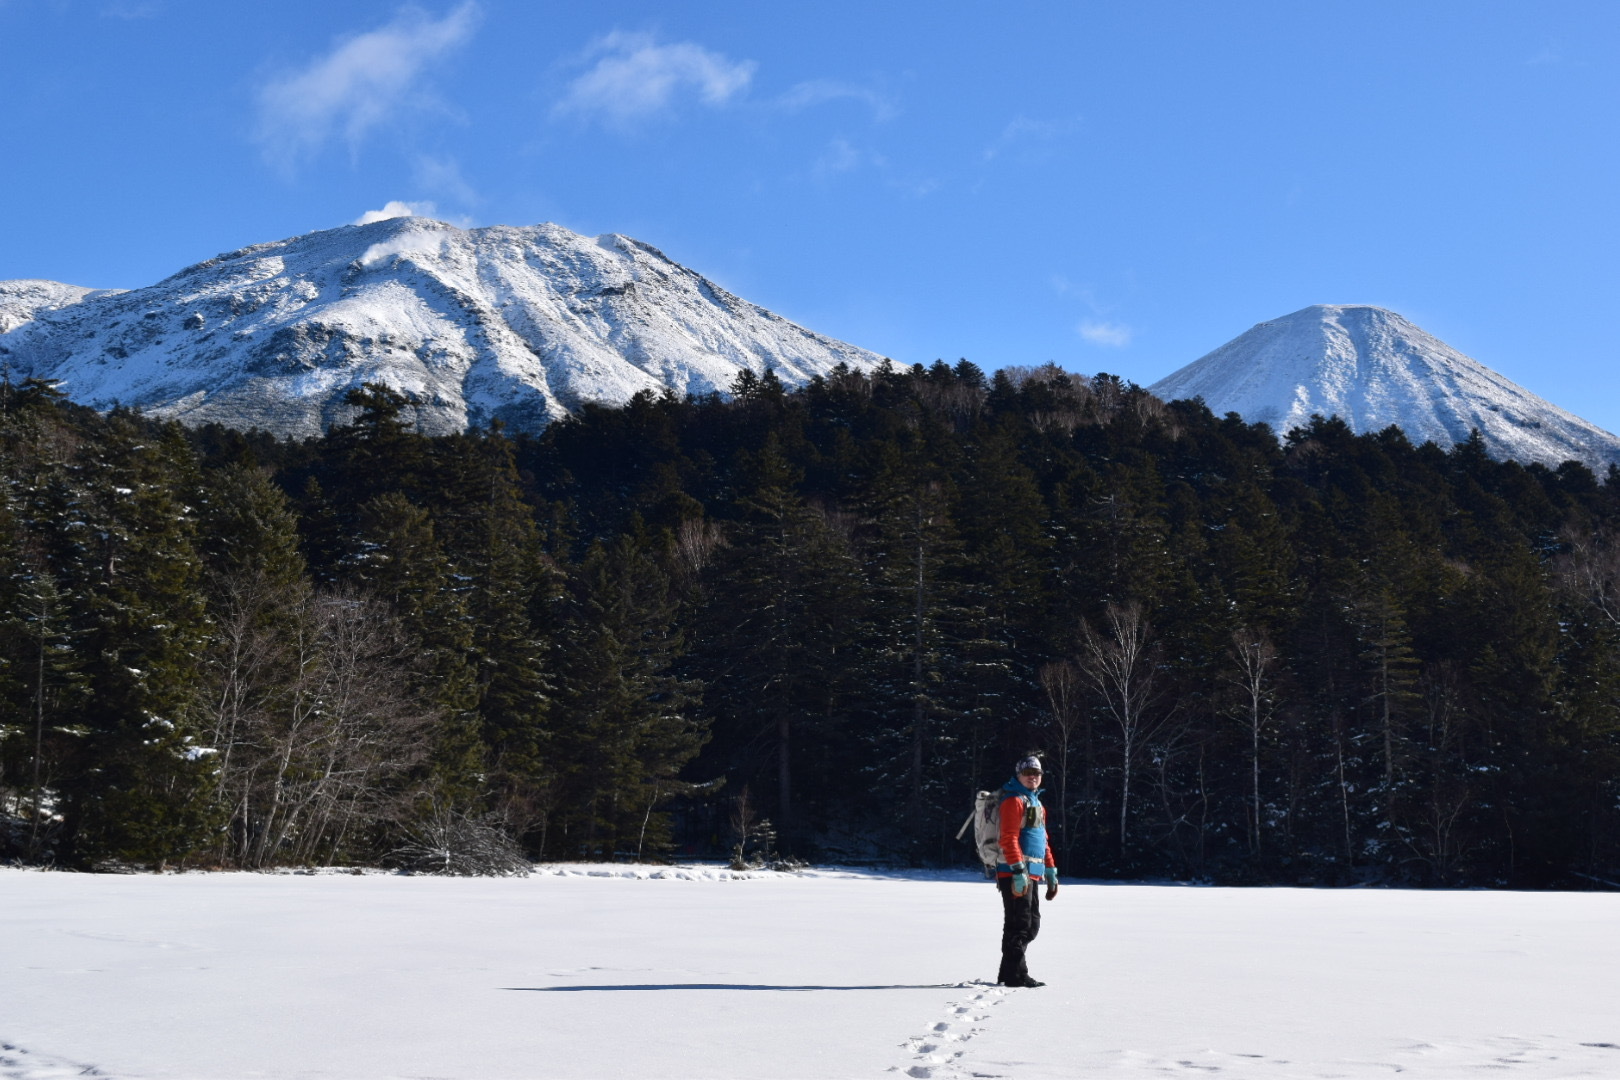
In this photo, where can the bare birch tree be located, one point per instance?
(1254, 659)
(1391, 672)
(315, 724)
(1589, 568)
(1062, 682)
(1120, 664)
(1441, 839)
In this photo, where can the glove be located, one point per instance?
(1051, 882)
(1020, 880)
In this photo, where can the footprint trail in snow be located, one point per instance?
(18, 1063)
(938, 1054)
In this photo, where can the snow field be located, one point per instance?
(1319, 983)
(598, 972)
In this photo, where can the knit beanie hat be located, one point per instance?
(1029, 764)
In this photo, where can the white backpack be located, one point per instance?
(985, 821)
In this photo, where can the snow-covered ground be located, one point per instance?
(700, 973)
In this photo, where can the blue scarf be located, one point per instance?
(1016, 786)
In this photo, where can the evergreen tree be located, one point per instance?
(41, 687)
(631, 724)
(139, 789)
(774, 635)
(929, 728)
(1389, 679)
(401, 563)
(1001, 516)
(494, 544)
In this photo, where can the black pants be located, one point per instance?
(1020, 922)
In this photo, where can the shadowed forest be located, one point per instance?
(808, 624)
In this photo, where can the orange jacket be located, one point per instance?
(1011, 820)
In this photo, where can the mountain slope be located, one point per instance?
(1372, 368)
(519, 324)
(26, 300)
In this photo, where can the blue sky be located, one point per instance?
(1111, 186)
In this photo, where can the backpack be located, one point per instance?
(985, 821)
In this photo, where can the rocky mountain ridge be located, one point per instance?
(523, 324)
(519, 324)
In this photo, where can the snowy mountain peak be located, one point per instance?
(1372, 368)
(516, 323)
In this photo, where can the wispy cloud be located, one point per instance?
(1110, 334)
(363, 82)
(634, 77)
(821, 91)
(1098, 328)
(1023, 132)
(841, 156)
(918, 188)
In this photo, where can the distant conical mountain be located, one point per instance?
(1372, 368)
(520, 324)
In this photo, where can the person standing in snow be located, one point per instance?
(1026, 862)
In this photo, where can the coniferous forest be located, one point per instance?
(808, 624)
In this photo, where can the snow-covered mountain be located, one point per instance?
(519, 324)
(26, 300)
(1372, 368)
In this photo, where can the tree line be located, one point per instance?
(1327, 659)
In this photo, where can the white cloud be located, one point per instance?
(1024, 132)
(636, 77)
(361, 83)
(1113, 335)
(821, 91)
(394, 208)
